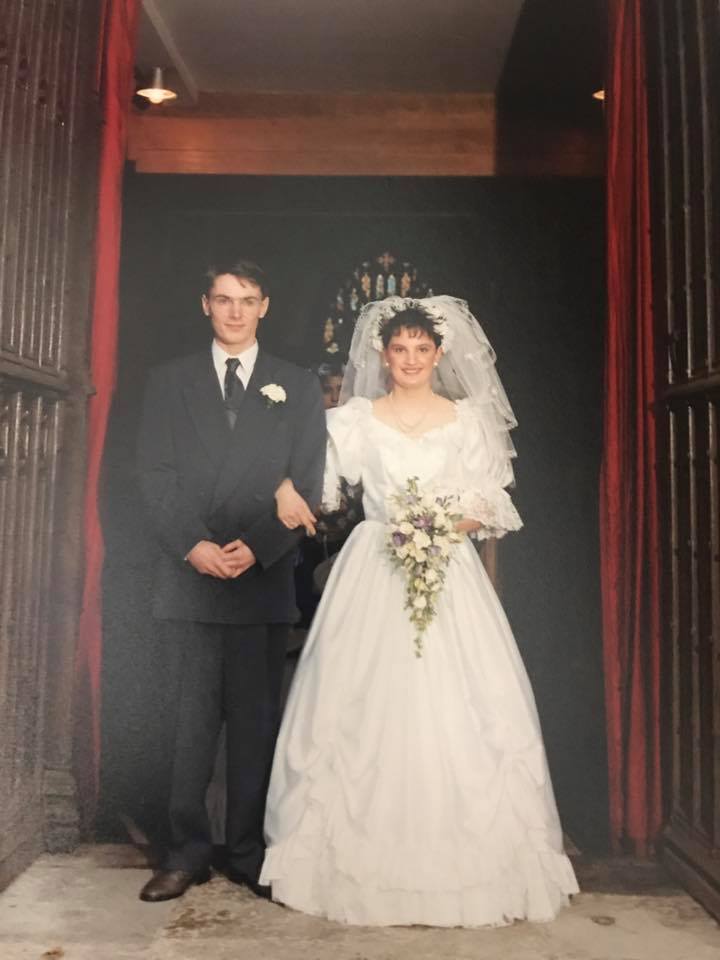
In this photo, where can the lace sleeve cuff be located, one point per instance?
(494, 509)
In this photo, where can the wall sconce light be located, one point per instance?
(157, 92)
(599, 95)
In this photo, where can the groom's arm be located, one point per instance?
(176, 524)
(268, 538)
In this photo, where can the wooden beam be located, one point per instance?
(536, 146)
(320, 134)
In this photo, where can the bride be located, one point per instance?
(406, 788)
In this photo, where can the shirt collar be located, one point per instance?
(247, 358)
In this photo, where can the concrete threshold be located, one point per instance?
(83, 906)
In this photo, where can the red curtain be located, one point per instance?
(629, 534)
(115, 77)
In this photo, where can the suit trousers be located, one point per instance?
(232, 674)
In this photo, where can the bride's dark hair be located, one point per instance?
(410, 320)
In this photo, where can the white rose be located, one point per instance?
(421, 539)
(444, 544)
(419, 603)
(430, 576)
(406, 528)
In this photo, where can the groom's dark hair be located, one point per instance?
(241, 270)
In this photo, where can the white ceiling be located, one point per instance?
(362, 46)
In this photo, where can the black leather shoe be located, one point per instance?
(169, 884)
(259, 889)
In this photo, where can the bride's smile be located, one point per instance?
(410, 357)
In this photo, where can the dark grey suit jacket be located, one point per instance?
(202, 481)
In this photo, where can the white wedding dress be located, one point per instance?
(413, 790)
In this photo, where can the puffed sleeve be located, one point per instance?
(344, 449)
(486, 469)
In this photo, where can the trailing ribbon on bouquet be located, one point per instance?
(420, 538)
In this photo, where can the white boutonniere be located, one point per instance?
(273, 394)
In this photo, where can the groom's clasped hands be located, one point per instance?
(232, 560)
(225, 563)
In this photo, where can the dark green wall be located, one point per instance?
(528, 255)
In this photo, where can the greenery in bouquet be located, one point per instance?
(420, 538)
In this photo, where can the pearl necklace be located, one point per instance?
(404, 426)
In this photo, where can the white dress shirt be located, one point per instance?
(244, 371)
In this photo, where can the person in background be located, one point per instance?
(331, 377)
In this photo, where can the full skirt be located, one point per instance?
(412, 790)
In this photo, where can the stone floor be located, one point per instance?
(85, 906)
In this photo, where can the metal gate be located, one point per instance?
(684, 88)
(48, 156)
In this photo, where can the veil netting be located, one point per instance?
(466, 369)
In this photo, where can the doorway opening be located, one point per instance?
(529, 258)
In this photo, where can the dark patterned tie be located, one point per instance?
(233, 390)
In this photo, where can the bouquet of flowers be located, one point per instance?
(419, 541)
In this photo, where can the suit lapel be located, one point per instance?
(207, 410)
(255, 423)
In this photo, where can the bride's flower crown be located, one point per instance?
(395, 305)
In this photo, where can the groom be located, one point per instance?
(219, 432)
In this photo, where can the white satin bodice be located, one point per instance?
(455, 459)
